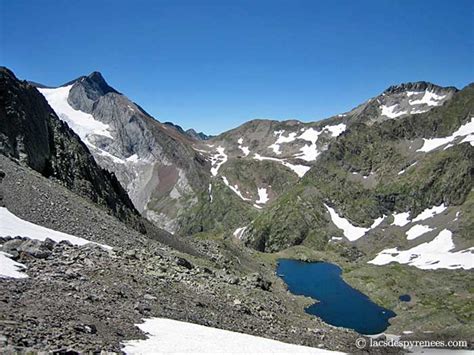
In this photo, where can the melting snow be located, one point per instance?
(408, 167)
(210, 192)
(466, 131)
(235, 189)
(429, 98)
(262, 196)
(401, 219)
(239, 232)
(11, 225)
(217, 160)
(417, 230)
(430, 212)
(351, 232)
(311, 152)
(300, 170)
(281, 139)
(170, 336)
(83, 124)
(10, 268)
(389, 111)
(245, 150)
(431, 255)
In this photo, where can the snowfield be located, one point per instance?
(417, 230)
(430, 212)
(300, 170)
(436, 254)
(281, 139)
(167, 336)
(11, 225)
(401, 219)
(83, 124)
(262, 196)
(10, 268)
(350, 231)
(244, 149)
(429, 98)
(217, 160)
(389, 111)
(466, 131)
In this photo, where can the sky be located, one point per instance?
(215, 64)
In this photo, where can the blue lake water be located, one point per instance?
(405, 298)
(339, 304)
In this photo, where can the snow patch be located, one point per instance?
(311, 152)
(401, 219)
(350, 231)
(430, 212)
(235, 188)
(244, 149)
(432, 255)
(281, 139)
(239, 232)
(466, 131)
(171, 336)
(217, 160)
(11, 225)
(10, 268)
(83, 124)
(429, 98)
(417, 230)
(389, 111)
(262, 196)
(300, 170)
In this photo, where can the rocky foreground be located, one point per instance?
(89, 298)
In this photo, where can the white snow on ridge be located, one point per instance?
(350, 231)
(417, 230)
(389, 111)
(429, 98)
(430, 212)
(83, 124)
(10, 268)
(168, 336)
(466, 131)
(300, 170)
(217, 160)
(281, 139)
(432, 255)
(235, 189)
(262, 196)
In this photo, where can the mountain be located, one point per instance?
(81, 274)
(189, 132)
(31, 132)
(384, 191)
(153, 161)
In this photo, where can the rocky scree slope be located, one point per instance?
(86, 298)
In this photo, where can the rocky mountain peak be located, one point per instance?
(417, 87)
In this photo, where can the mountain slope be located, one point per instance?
(377, 170)
(31, 132)
(153, 161)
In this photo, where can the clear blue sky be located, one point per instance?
(214, 64)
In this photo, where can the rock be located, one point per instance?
(184, 263)
(35, 248)
(149, 297)
(257, 280)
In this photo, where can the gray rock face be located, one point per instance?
(154, 162)
(31, 132)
